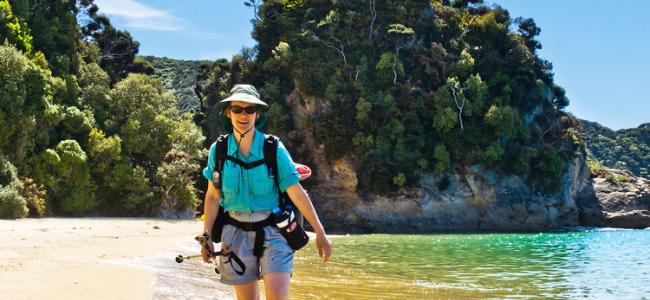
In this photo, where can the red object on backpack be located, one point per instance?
(303, 170)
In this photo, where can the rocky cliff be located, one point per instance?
(470, 198)
(624, 199)
(478, 199)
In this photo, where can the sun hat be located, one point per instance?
(244, 93)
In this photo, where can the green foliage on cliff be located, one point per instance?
(404, 88)
(627, 149)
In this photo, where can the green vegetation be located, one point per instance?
(400, 89)
(405, 88)
(83, 133)
(178, 77)
(627, 149)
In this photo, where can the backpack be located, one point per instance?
(270, 151)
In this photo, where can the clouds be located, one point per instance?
(137, 15)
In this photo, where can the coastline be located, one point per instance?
(73, 258)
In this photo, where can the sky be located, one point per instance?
(600, 49)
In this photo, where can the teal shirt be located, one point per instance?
(253, 189)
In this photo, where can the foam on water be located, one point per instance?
(191, 279)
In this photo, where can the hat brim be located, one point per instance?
(241, 97)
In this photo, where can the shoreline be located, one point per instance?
(73, 258)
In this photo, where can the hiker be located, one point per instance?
(246, 195)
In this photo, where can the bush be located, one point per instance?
(177, 184)
(34, 195)
(12, 204)
(74, 189)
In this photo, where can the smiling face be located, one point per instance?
(242, 115)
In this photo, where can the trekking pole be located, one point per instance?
(203, 241)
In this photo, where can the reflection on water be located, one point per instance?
(593, 264)
(596, 264)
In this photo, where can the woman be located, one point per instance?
(249, 196)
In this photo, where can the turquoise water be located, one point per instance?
(593, 264)
(596, 264)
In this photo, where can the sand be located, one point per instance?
(73, 258)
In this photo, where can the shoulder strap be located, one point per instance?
(270, 157)
(222, 152)
(271, 143)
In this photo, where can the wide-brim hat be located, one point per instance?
(244, 93)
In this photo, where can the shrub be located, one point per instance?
(34, 195)
(12, 203)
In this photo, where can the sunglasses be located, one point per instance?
(249, 110)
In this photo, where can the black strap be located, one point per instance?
(230, 256)
(258, 227)
(222, 148)
(245, 165)
(271, 143)
(270, 156)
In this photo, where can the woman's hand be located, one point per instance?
(324, 246)
(204, 251)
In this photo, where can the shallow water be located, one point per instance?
(595, 264)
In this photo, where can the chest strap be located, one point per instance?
(258, 227)
(245, 165)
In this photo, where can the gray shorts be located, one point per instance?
(278, 255)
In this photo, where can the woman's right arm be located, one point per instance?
(210, 212)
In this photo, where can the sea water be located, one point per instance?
(594, 264)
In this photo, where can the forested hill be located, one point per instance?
(377, 96)
(627, 149)
(178, 77)
(404, 88)
(85, 129)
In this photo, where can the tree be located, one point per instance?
(74, 191)
(13, 29)
(529, 30)
(54, 29)
(403, 37)
(144, 116)
(23, 98)
(176, 182)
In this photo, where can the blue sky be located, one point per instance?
(600, 50)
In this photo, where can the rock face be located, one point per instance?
(624, 198)
(470, 199)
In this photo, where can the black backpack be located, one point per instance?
(270, 151)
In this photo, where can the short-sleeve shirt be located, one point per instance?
(254, 189)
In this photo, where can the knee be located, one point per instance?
(276, 286)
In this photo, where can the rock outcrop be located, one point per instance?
(469, 199)
(475, 199)
(624, 199)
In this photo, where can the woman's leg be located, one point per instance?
(276, 285)
(247, 291)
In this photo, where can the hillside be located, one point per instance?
(416, 115)
(625, 149)
(178, 77)
(86, 130)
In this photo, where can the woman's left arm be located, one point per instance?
(303, 203)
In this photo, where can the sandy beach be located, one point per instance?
(73, 258)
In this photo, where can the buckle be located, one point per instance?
(247, 226)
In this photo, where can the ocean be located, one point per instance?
(580, 263)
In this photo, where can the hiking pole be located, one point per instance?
(203, 241)
(181, 258)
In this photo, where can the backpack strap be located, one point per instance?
(271, 143)
(220, 158)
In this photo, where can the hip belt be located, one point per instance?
(258, 227)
